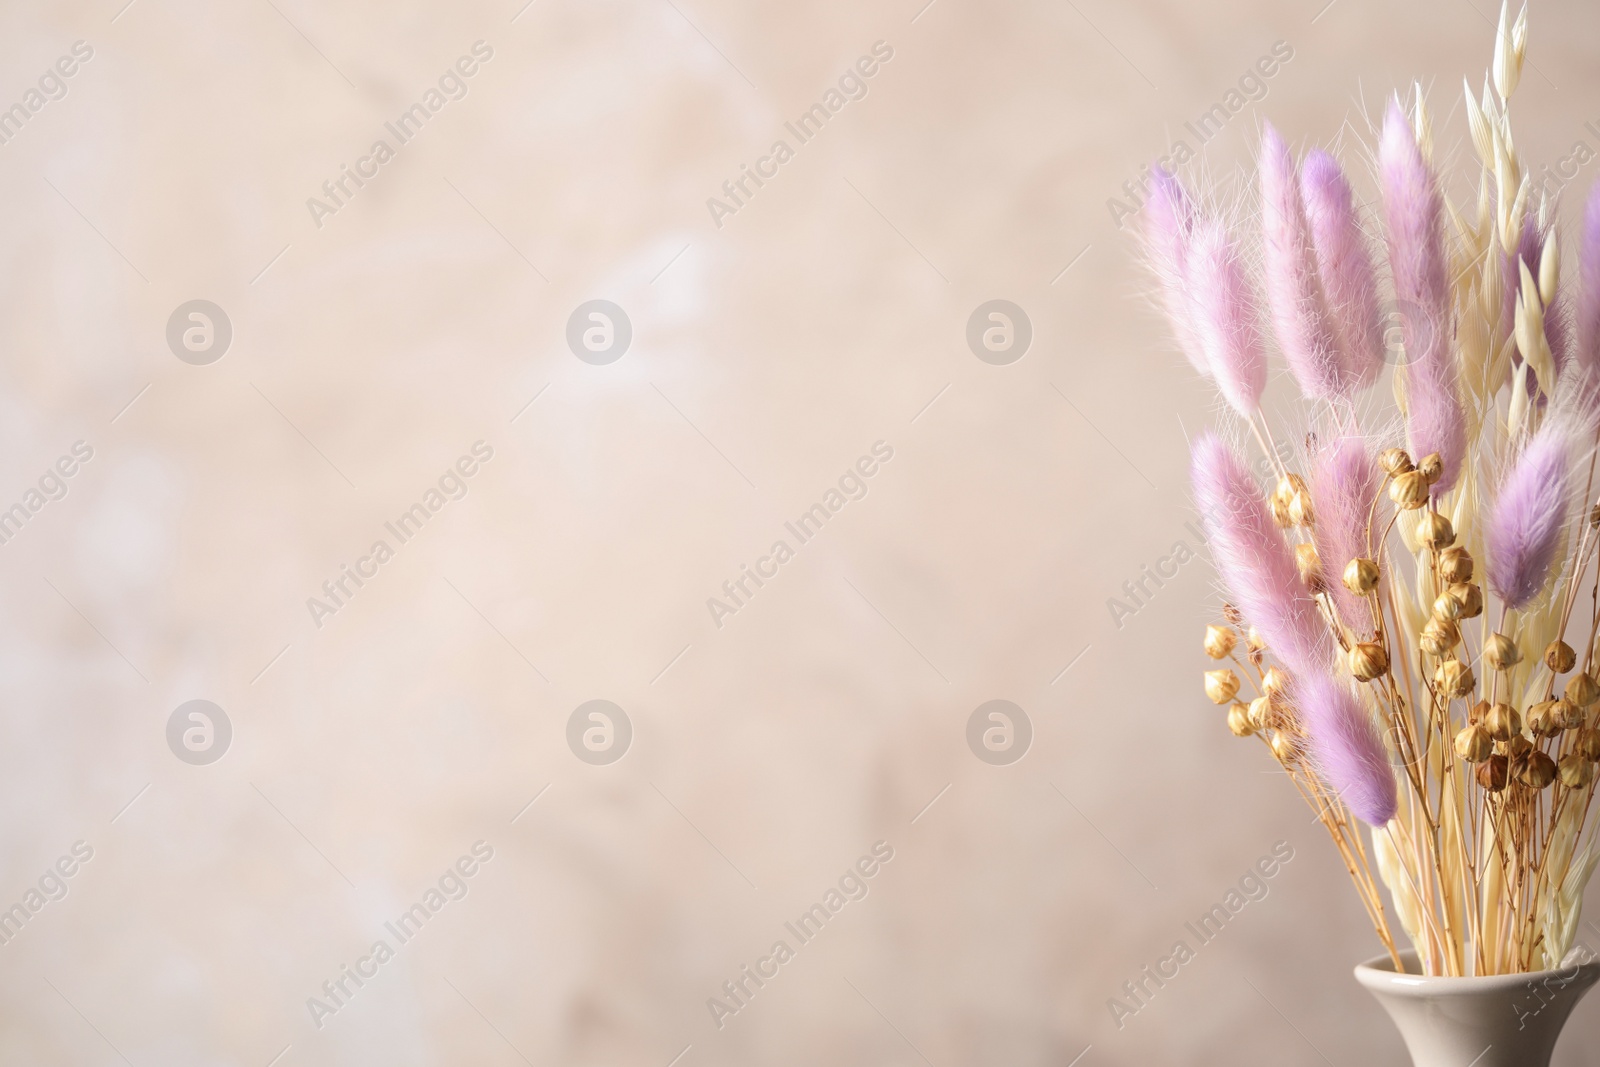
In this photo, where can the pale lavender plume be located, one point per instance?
(1586, 351)
(1258, 568)
(1344, 485)
(1345, 745)
(1414, 210)
(1225, 316)
(1344, 263)
(1523, 527)
(1294, 293)
(1557, 329)
(1255, 562)
(1169, 217)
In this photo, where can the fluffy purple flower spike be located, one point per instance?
(1523, 527)
(1345, 265)
(1294, 292)
(1169, 223)
(1586, 351)
(1255, 562)
(1434, 421)
(1225, 316)
(1258, 568)
(1346, 747)
(1343, 484)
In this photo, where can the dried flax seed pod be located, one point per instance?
(1309, 564)
(1431, 467)
(1544, 718)
(1582, 690)
(1409, 490)
(1221, 686)
(1261, 713)
(1301, 512)
(1588, 745)
(1537, 771)
(1559, 657)
(1503, 722)
(1469, 596)
(1571, 715)
(1439, 637)
(1368, 660)
(1361, 576)
(1284, 747)
(1455, 564)
(1395, 461)
(1239, 721)
(1289, 486)
(1492, 773)
(1220, 641)
(1576, 772)
(1435, 531)
(1454, 678)
(1474, 744)
(1501, 653)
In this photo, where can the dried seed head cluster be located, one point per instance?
(1415, 649)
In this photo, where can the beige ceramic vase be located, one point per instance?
(1508, 1020)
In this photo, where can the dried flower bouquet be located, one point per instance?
(1403, 617)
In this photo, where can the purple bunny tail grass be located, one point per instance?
(1523, 527)
(1169, 222)
(1346, 746)
(1294, 294)
(1414, 211)
(1225, 317)
(1345, 264)
(1256, 564)
(1343, 485)
(1586, 351)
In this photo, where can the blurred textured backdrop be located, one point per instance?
(394, 335)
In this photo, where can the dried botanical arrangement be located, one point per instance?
(1406, 629)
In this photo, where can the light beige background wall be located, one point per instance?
(768, 354)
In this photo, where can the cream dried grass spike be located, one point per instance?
(1518, 408)
(1477, 124)
(1485, 201)
(1530, 331)
(1519, 211)
(1507, 56)
(1549, 267)
(1406, 904)
(1421, 124)
(1562, 898)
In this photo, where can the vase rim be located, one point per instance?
(1378, 973)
